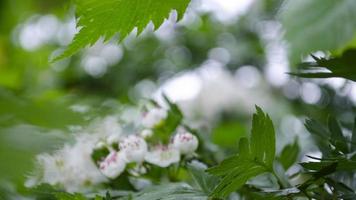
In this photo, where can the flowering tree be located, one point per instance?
(164, 145)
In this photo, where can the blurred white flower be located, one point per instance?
(153, 117)
(134, 148)
(163, 156)
(146, 133)
(71, 167)
(185, 142)
(113, 165)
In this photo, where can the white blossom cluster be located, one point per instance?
(134, 148)
(73, 168)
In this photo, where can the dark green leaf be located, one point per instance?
(337, 138)
(320, 134)
(340, 165)
(342, 66)
(289, 155)
(353, 138)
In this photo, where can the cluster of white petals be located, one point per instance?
(134, 148)
(74, 168)
(71, 167)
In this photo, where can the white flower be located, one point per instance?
(134, 148)
(71, 167)
(154, 117)
(113, 165)
(185, 142)
(146, 133)
(163, 156)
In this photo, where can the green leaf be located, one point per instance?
(205, 181)
(46, 191)
(289, 155)
(330, 141)
(106, 18)
(171, 191)
(320, 134)
(68, 196)
(343, 191)
(353, 137)
(317, 25)
(162, 132)
(337, 138)
(263, 140)
(341, 164)
(254, 158)
(341, 66)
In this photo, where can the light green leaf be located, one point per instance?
(106, 18)
(254, 158)
(317, 25)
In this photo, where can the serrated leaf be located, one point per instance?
(255, 157)
(106, 18)
(205, 181)
(341, 66)
(225, 166)
(317, 25)
(237, 177)
(263, 138)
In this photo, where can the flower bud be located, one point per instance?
(185, 142)
(134, 148)
(113, 165)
